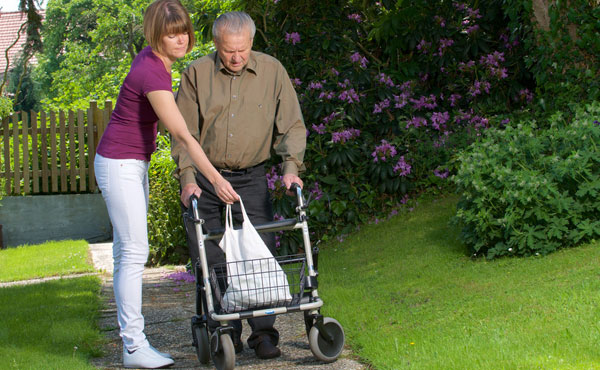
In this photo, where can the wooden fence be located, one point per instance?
(51, 152)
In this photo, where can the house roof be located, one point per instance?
(10, 22)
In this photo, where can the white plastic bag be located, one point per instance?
(254, 277)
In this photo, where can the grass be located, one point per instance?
(49, 325)
(408, 297)
(43, 260)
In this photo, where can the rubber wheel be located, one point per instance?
(222, 351)
(323, 349)
(202, 346)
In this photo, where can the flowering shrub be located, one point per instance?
(527, 192)
(388, 97)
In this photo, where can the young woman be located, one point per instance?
(121, 166)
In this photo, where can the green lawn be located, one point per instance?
(409, 298)
(49, 325)
(43, 260)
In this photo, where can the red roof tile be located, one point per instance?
(10, 22)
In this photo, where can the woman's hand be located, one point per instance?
(225, 191)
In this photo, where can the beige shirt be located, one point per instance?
(238, 118)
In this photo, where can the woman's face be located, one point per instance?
(174, 46)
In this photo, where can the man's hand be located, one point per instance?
(288, 180)
(187, 192)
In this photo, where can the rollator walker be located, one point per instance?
(325, 334)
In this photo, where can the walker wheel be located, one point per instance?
(222, 351)
(327, 345)
(200, 335)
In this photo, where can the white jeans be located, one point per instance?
(124, 186)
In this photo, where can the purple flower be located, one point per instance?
(438, 119)
(441, 174)
(471, 29)
(343, 136)
(330, 117)
(349, 96)
(335, 71)
(319, 129)
(315, 85)
(416, 122)
(355, 17)
(379, 107)
(386, 80)
(424, 102)
(525, 94)
(401, 100)
(402, 167)
(181, 276)
(597, 123)
(477, 86)
(297, 81)
(423, 46)
(454, 98)
(383, 151)
(292, 38)
(316, 192)
(272, 178)
(357, 58)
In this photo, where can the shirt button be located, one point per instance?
(234, 77)
(232, 115)
(230, 135)
(235, 96)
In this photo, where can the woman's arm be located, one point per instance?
(163, 103)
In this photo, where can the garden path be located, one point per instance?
(168, 305)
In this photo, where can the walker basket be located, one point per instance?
(251, 284)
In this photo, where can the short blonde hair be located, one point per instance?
(166, 17)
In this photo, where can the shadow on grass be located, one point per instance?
(50, 325)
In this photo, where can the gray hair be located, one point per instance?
(233, 22)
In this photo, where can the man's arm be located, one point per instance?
(290, 132)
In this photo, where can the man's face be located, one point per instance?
(234, 50)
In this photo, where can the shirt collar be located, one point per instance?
(252, 65)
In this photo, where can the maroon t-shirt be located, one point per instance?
(131, 131)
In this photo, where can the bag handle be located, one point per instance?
(229, 215)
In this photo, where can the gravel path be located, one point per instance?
(168, 306)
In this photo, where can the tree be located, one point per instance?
(31, 46)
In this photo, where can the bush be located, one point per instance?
(6, 106)
(526, 191)
(166, 234)
(389, 96)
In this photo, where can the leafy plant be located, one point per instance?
(166, 234)
(526, 191)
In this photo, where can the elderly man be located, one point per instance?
(240, 104)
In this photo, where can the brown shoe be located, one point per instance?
(265, 349)
(238, 345)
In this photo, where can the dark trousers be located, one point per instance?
(251, 186)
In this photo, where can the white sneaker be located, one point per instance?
(163, 354)
(145, 358)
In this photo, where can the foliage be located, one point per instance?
(564, 57)
(166, 234)
(388, 97)
(6, 106)
(24, 86)
(527, 191)
(90, 44)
